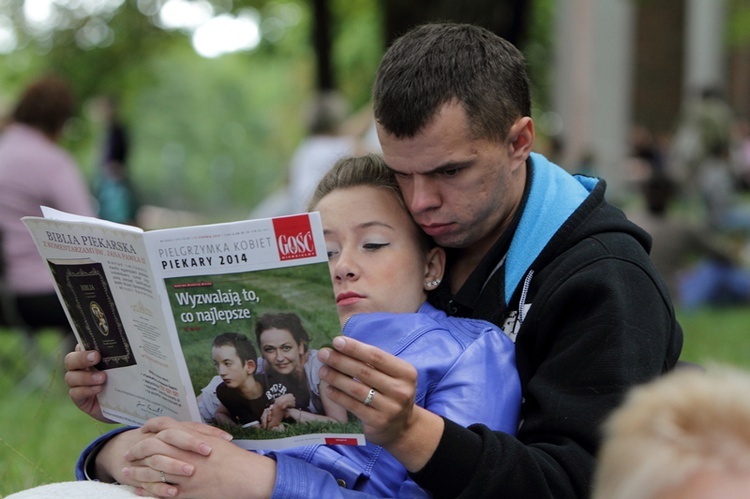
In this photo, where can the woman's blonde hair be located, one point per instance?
(367, 170)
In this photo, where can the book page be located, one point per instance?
(106, 285)
(223, 280)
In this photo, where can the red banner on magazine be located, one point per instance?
(294, 237)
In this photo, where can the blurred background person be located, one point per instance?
(700, 154)
(326, 142)
(699, 264)
(740, 153)
(36, 171)
(330, 134)
(114, 191)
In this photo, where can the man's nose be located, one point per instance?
(422, 196)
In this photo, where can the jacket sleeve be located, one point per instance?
(481, 386)
(87, 457)
(594, 330)
(296, 479)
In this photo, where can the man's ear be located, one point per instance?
(434, 267)
(521, 137)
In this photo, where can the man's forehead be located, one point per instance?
(442, 144)
(413, 156)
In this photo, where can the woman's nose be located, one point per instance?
(345, 267)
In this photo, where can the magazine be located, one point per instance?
(174, 311)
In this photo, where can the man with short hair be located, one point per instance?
(531, 248)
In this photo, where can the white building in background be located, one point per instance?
(594, 75)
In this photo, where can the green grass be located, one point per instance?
(720, 335)
(42, 433)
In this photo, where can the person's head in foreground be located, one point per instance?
(234, 358)
(283, 342)
(380, 260)
(683, 436)
(452, 106)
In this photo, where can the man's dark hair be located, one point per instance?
(435, 64)
(245, 350)
(286, 321)
(46, 105)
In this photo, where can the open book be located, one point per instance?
(153, 302)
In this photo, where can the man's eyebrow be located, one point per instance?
(451, 165)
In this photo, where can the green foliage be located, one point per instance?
(360, 43)
(538, 49)
(739, 22)
(208, 135)
(216, 142)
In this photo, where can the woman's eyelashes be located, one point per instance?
(333, 251)
(374, 246)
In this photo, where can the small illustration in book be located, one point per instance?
(88, 298)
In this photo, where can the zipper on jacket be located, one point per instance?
(524, 291)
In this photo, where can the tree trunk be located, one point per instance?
(322, 45)
(506, 18)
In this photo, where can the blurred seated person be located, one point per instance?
(34, 171)
(685, 435)
(326, 142)
(697, 263)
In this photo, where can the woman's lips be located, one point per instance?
(348, 298)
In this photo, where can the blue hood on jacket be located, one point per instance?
(553, 197)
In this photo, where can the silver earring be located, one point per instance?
(433, 284)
